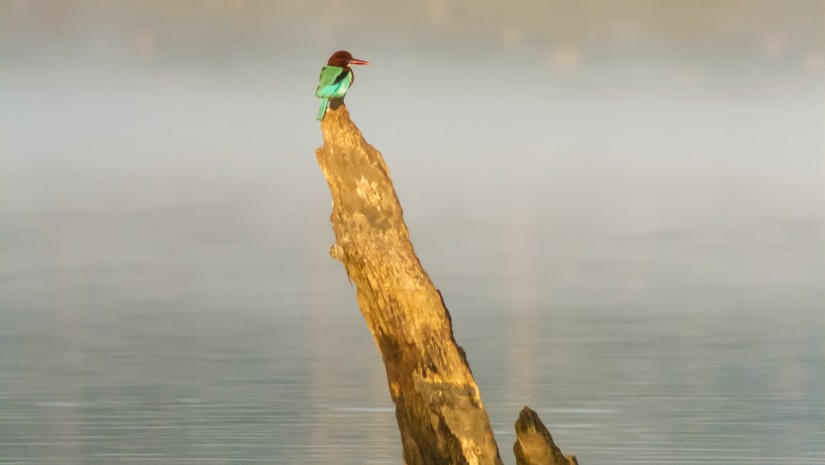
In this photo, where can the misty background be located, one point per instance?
(623, 203)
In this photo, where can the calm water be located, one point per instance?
(161, 303)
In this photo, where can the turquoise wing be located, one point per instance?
(334, 82)
(323, 110)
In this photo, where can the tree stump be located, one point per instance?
(437, 402)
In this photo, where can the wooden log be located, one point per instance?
(534, 445)
(437, 403)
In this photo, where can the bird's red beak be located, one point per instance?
(356, 61)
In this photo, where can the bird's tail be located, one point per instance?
(322, 111)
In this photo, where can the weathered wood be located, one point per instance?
(437, 403)
(534, 445)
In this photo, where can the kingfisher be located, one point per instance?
(336, 78)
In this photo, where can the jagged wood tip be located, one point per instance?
(534, 445)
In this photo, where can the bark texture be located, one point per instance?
(437, 403)
(534, 445)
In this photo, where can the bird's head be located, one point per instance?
(343, 58)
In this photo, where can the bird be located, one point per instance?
(336, 78)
